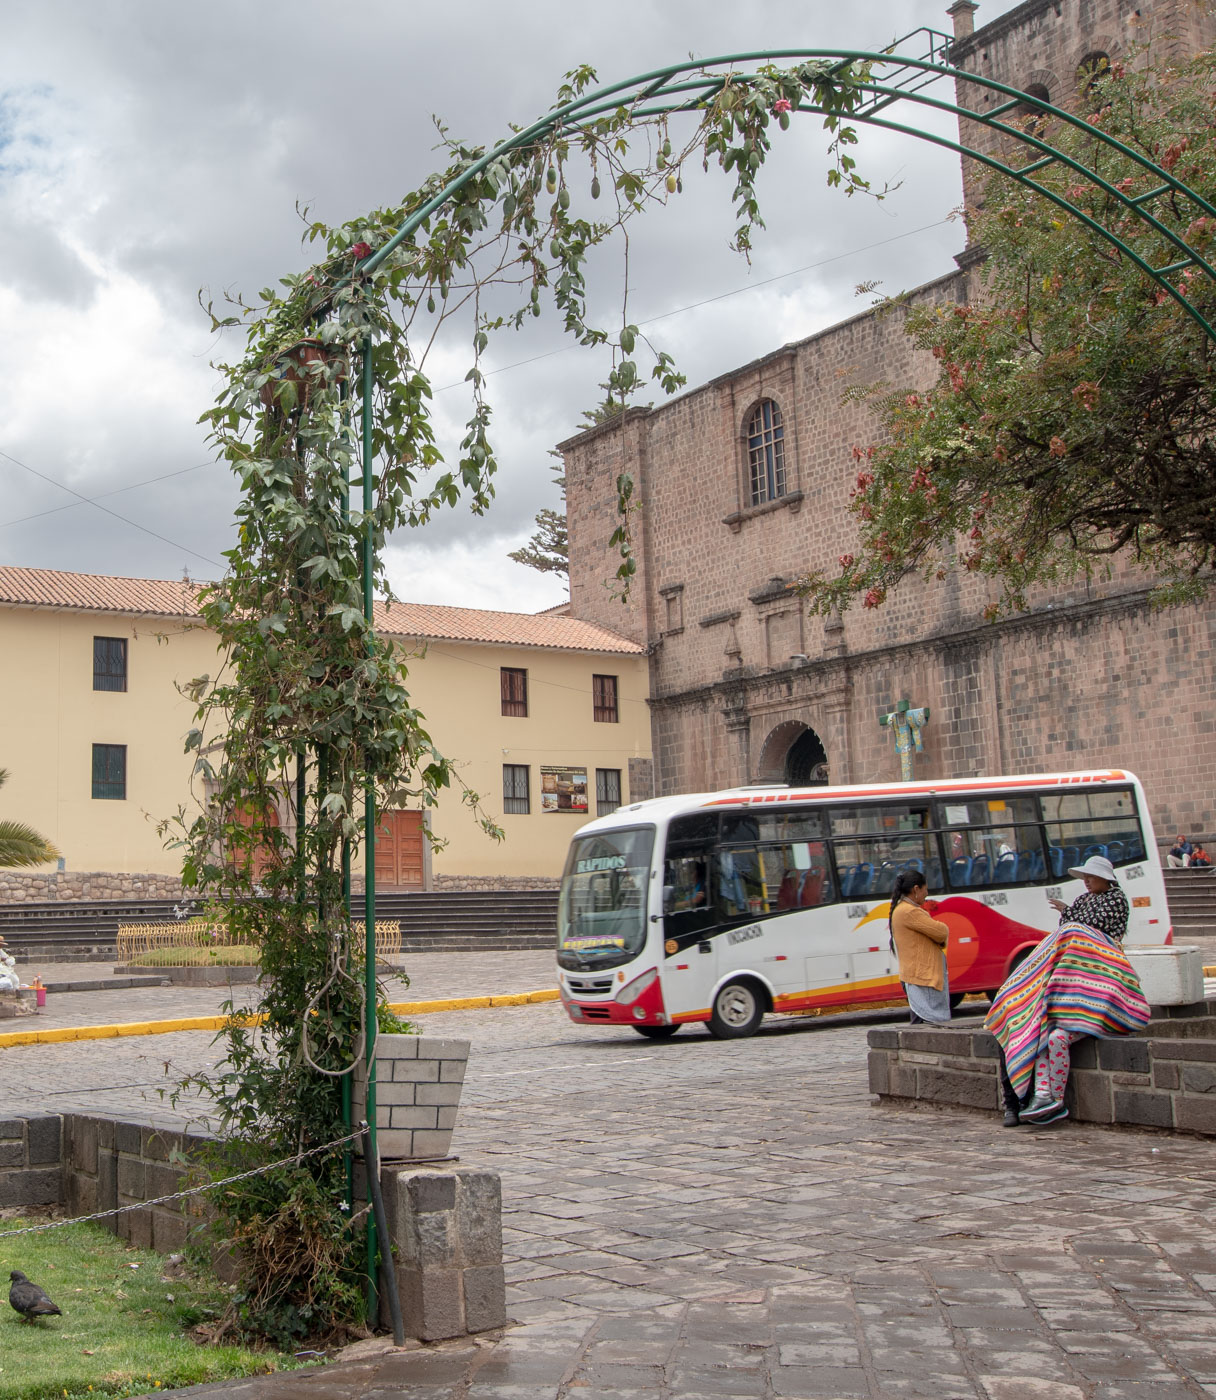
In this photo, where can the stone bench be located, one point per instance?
(1162, 1077)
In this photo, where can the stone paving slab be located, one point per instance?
(696, 1218)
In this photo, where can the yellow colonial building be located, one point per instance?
(544, 715)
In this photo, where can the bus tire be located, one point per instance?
(956, 1000)
(656, 1032)
(737, 1011)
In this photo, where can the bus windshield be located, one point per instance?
(601, 917)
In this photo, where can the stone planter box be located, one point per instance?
(212, 975)
(21, 1002)
(418, 1084)
(1164, 1076)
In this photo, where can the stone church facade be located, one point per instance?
(743, 484)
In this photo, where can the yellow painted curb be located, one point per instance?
(214, 1023)
(422, 1008)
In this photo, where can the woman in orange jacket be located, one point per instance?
(920, 942)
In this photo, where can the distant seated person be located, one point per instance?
(1180, 853)
(691, 896)
(1199, 857)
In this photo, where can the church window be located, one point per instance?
(1027, 115)
(765, 453)
(1090, 71)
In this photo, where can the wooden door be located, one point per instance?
(399, 850)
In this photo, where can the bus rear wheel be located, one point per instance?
(737, 1011)
(656, 1032)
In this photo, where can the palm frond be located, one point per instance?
(22, 845)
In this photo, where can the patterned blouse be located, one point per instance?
(1108, 912)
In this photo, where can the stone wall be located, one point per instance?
(1043, 43)
(31, 1159)
(70, 885)
(1163, 1077)
(1091, 677)
(495, 882)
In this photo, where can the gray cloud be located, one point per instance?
(148, 151)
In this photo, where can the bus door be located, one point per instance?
(690, 919)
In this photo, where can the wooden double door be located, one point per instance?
(400, 850)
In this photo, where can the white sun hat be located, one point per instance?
(1095, 865)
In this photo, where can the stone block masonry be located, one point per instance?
(447, 1229)
(445, 1226)
(30, 1159)
(70, 886)
(1164, 1077)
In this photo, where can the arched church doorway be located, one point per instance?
(793, 753)
(806, 764)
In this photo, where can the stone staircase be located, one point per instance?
(458, 921)
(1191, 895)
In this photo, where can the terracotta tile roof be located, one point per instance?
(53, 588)
(504, 628)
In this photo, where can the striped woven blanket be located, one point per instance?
(1077, 979)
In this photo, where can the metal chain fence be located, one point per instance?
(181, 1195)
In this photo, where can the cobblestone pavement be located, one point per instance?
(716, 1219)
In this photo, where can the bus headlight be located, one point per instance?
(632, 990)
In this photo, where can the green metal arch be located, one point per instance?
(690, 87)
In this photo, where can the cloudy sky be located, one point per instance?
(150, 151)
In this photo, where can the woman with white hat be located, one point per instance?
(1076, 983)
(1103, 905)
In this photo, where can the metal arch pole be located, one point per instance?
(369, 851)
(348, 1158)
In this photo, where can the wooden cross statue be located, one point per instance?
(906, 724)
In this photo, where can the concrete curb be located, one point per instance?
(215, 1023)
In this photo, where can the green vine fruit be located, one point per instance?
(563, 198)
(672, 184)
(784, 119)
(430, 303)
(595, 187)
(551, 180)
(508, 206)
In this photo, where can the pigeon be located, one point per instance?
(30, 1300)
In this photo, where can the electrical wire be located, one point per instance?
(102, 495)
(164, 539)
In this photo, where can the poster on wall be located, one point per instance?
(563, 790)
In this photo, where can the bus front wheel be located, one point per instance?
(657, 1032)
(737, 1011)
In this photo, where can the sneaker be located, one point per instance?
(1039, 1108)
(1011, 1118)
(1057, 1112)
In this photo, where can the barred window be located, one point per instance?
(514, 692)
(603, 699)
(515, 788)
(766, 453)
(110, 771)
(607, 790)
(109, 663)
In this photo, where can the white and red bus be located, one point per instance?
(720, 907)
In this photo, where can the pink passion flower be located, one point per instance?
(782, 104)
(361, 251)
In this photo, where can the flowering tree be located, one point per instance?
(1074, 416)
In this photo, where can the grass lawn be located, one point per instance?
(124, 1329)
(225, 954)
